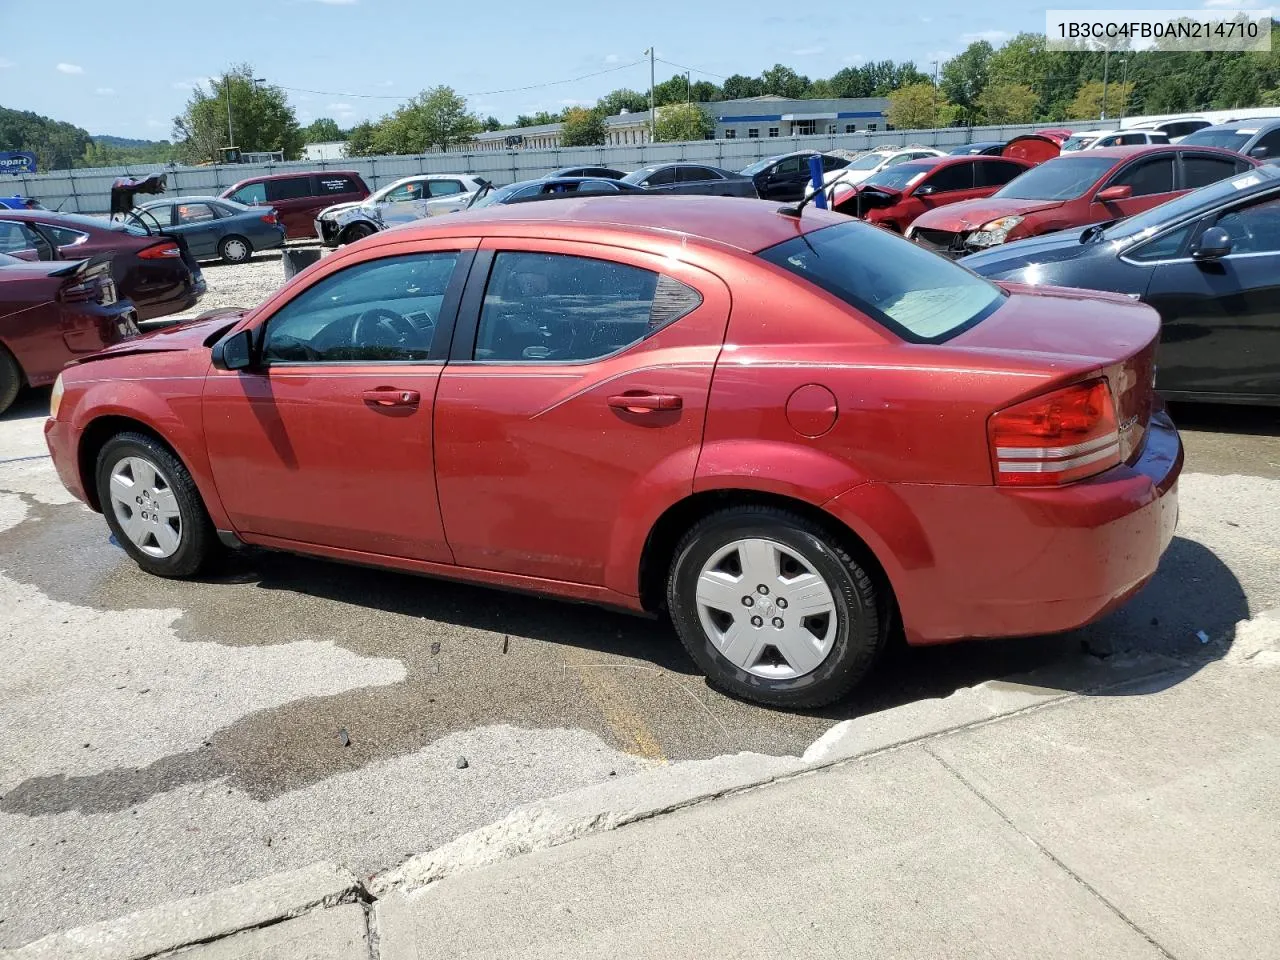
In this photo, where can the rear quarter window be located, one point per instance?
(917, 295)
(290, 188)
(329, 183)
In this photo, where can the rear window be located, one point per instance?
(1064, 178)
(1227, 139)
(290, 188)
(921, 297)
(330, 183)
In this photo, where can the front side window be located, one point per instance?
(1269, 142)
(405, 193)
(1147, 177)
(65, 237)
(376, 311)
(292, 188)
(1254, 228)
(789, 167)
(195, 213)
(549, 307)
(919, 296)
(250, 194)
(957, 176)
(662, 177)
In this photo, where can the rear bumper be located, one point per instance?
(984, 561)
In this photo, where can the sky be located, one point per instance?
(127, 69)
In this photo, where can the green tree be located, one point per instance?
(1007, 103)
(57, 145)
(674, 90)
(582, 128)
(492, 123)
(1270, 98)
(435, 118)
(1019, 60)
(915, 107)
(324, 130)
(737, 86)
(704, 91)
(360, 140)
(262, 118)
(613, 103)
(682, 121)
(965, 76)
(538, 119)
(1088, 104)
(782, 81)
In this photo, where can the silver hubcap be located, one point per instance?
(766, 609)
(236, 250)
(146, 507)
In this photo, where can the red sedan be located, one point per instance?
(897, 195)
(51, 313)
(1075, 190)
(788, 432)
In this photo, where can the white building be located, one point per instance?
(332, 150)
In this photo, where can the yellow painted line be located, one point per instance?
(600, 682)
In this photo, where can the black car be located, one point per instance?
(1258, 138)
(1208, 261)
(980, 148)
(548, 189)
(786, 176)
(691, 178)
(607, 173)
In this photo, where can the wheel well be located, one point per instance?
(346, 231)
(660, 546)
(236, 236)
(92, 441)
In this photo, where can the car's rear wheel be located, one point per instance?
(773, 608)
(10, 379)
(357, 231)
(153, 507)
(235, 249)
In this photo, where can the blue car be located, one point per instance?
(19, 203)
(213, 227)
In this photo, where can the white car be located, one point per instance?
(409, 198)
(869, 163)
(1096, 139)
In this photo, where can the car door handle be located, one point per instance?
(646, 402)
(392, 397)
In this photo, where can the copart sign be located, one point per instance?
(17, 161)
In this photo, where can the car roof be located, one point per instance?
(1134, 149)
(184, 198)
(297, 173)
(1245, 123)
(743, 224)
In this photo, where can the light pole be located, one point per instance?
(1124, 88)
(231, 140)
(935, 93)
(1105, 56)
(653, 130)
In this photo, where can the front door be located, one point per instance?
(1152, 182)
(1221, 332)
(198, 224)
(575, 395)
(327, 438)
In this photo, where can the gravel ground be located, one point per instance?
(238, 285)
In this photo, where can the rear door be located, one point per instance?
(694, 179)
(447, 196)
(295, 200)
(574, 397)
(18, 239)
(786, 181)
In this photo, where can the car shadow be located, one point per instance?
(1253, 421)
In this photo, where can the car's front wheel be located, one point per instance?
(235, 249)
(153, 507)
(773, 608)
(357, 231)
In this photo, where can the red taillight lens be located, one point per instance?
(270, 218)
(82, 292)
(161, 251)
(1058, 438)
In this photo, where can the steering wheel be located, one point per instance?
(401, 329)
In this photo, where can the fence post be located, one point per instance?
(373, 172)
(71, 175)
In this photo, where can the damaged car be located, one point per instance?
(409, 198)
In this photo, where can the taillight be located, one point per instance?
(1057, 438)
(270, 218)
(161, 251)
(82, 292)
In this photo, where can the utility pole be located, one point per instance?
(1105, 57)
(688, 87)
(231, 140)
(1124, 88)
(935, 93)
(653, 128)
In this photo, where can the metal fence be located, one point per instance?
(89, 190)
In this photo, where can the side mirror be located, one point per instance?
(234, 352)
(1214, 244)
(1259, 153)
(925, 190)
(1121, 191)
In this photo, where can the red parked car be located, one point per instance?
(788, 432)
(51, 313)
(1075, 190)
(299, 197)
(895, 196)
(154, 270)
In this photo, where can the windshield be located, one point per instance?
(901, 177)
(489, 195)
(867, 162)
(758, 166)
(921, 297)
(1063, 178)
(1232, 139)
(1078, 143)
(1142, 225)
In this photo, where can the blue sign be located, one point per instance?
(17, 161)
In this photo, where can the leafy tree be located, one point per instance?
(1088, 100)
(849, 82)
(1007, 103)
(675, 90)
(57, 145)
(538, 119)
(435, 118)
(612, 104)
(737, 87)
(1270, 98)
(492, 123)
(360, 140)
(915, 107)
(1019, 60)
(704, 91)
(965, 76)
(782, 81)
(582, 128)
(114, 152)
(262, 118)
(324, 130)
(682, 121)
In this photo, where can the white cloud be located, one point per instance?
(612, 58)
(1231, 4)
(337, 3)
(72, 68)
(194, 82)
(926, 19)
(808, 51)
(6, 64)
(341, 108)
(105, 91)
(158, 124)
(991, 36)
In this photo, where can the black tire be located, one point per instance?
(858, 637)
(197, 542)
(235, 249)
(11, 379)
(357, 231)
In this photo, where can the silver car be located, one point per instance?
(409, 198)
